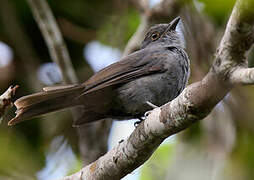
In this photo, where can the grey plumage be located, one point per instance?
(157, 73)
(157, 88)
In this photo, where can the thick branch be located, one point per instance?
(161, 123)
(193, 104)
(237, 39)
(242, 76)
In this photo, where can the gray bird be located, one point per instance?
(155, 74)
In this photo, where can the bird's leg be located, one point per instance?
(146, 113)
(151, 105)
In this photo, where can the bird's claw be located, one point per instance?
(138, 122)
(147, 114)
(140, 119)
(121, 141)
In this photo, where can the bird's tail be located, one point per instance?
(50, 100)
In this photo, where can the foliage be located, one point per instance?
(156, 167)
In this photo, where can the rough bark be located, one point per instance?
(206, 146)
(192, 105)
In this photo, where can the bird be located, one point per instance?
(153, 75)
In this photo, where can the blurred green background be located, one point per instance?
(220, 147)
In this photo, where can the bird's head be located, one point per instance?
(163, 35)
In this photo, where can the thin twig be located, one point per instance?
(53, 38)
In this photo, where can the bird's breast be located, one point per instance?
(158, 88)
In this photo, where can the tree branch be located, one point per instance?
(6, 100)
(193, 104)
(242, 76)
(53, 38)
(134, 43)
(60, 56)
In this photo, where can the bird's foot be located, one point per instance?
(147, 113)
(140, 119)
(120, 141)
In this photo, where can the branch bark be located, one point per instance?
(6, 100)
(242, 75)
(192, 105)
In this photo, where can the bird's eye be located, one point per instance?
(155, 36)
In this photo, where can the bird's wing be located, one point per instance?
(138, 64)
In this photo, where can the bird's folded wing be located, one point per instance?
(141, 63)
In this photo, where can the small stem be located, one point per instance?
(54, 39)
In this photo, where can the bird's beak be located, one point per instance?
(173, 24)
